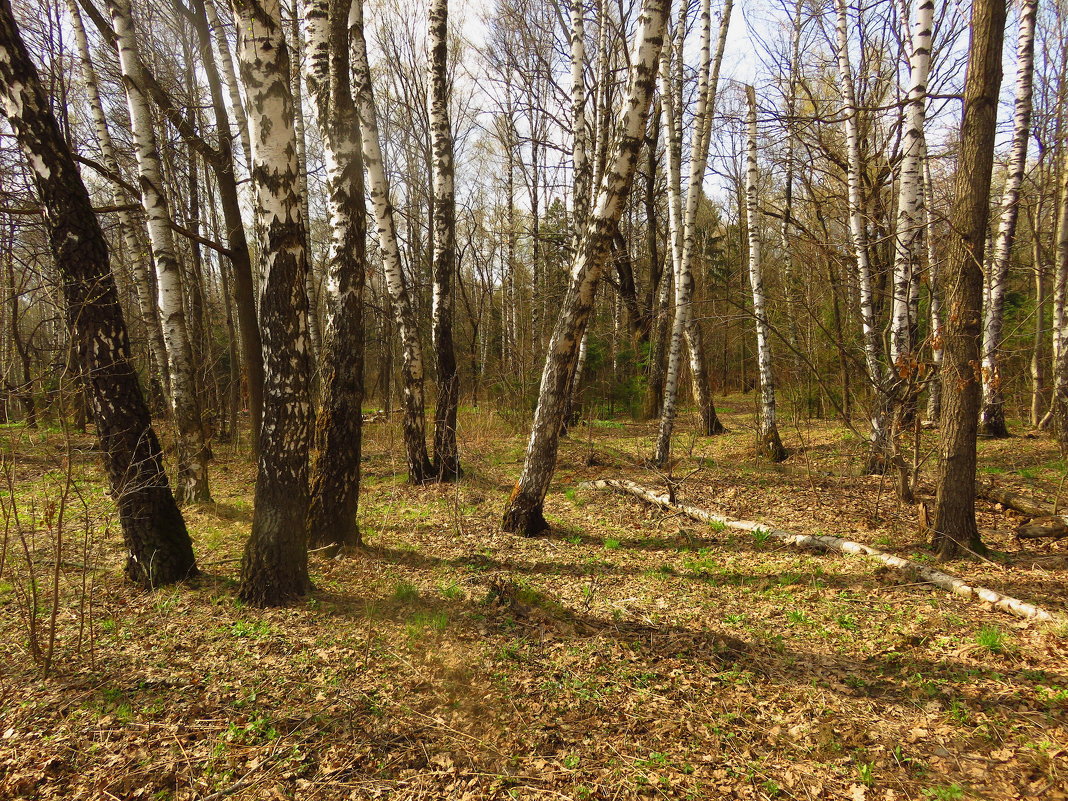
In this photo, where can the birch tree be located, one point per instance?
(769, 442)
(420, 468)
(192, 482)
(446, 457)
(159, 550)
(335, 473)
(992, 423)
(523, 514)
(682, 223)
(880, 433)
(274, 569)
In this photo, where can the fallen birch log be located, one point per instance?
(945, 581)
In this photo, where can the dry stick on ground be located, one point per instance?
(945, 581)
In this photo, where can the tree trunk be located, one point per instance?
(192, 484)
(420, 469)
(934, 289)
(992, 422)
(954, 524)
(524, 511)
(880, 429)
(275, 566)
(159, 550)
(446, 458)
(769, 443)
(335, 473)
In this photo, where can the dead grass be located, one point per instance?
(629, 654)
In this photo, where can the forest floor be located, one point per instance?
(629, 654)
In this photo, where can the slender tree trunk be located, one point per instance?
(1039, 403)
(769, 443)
(185, 401)
(335, 473)
(934, 289)
(226, 61)
(237, 243)
(524, 511)
(420, 469)
(159, 550)
(446, 457)
(274, 570)
(992, 422)
(954, 523)
(880, 430)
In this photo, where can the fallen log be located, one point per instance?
(938, 578)
(990, 491)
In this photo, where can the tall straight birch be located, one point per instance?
(158, 547)
(992, 420)
(192, 481)
(274, 570)
(879, 437)
(769, 443)
(523, 513)
(420, 469)
(908, 238)
(446, 457)
(335, 472)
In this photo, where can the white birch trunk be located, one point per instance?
(192, 482)
(524, 512)
(992, 420)
(446, 457)
(909, 231)
(233, 87)
(275, 565)
(419, 467)
(879, 436)
(934, 288)
(769, 443)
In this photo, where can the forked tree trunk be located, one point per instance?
(992, 422)
(446, 457)
(954, 519)
(420, 469)
(192, 483)
(682, 221)
(335, 472)
(159, 550)
(146, 300)
(274, 570)
(769, 443)
(523, 514)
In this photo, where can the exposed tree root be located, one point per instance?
(945, 581)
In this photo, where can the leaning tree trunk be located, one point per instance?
(159, 550)
(954, 519)
(769, 443)
(524, 511)
(880, 430)
(446, 457)
(335, 473)
(184, 397)
(420, 469)
(226, 63)
(275, 565)
(992, 422)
